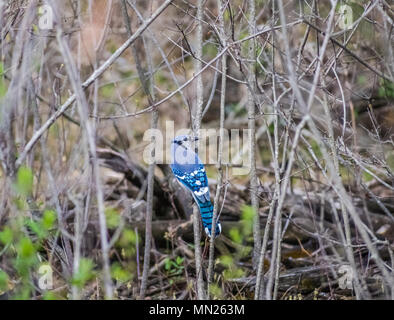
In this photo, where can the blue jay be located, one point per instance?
(190, 172)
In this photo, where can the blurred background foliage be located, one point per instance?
(48, 207)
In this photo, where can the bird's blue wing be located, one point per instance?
(197, 182)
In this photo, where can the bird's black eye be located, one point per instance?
(185, 139)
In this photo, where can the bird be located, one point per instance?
(189, 170)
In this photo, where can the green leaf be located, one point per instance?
(36, 228)
(227, 261)
(129, 238)
(35, 29)
(248, 213)
(24, 181)
(85, 273)
(48, 219)
(107, 91)
(49, 295)
(367, 177)
(390, 161)
(6, 236)
(271, 128)
(235, 235)
(3, 89)
(179, 260)
(3, 281)
(210, 50)
(362, 80)
(233, 273)
(247, 218)
(23, 294)
(113, 218)
(167, 264)
(386, 90)
(26, 257)
(119, 273)
(26, 248)
(215, 291)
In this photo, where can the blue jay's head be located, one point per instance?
(182, 150)
(184, 141)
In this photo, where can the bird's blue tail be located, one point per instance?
(206, 211)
